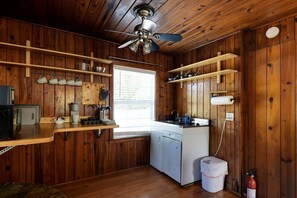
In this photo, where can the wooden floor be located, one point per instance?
(144, 182)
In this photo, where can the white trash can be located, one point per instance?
(213, 173)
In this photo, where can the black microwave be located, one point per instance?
(6, 122)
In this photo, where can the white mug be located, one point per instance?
(78, 82)
(62, 81)
(42, 79)
(70, 82)
(53, 81)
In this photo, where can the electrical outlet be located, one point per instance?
(230, 116)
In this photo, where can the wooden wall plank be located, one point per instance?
(69, 153)
(25, 83)
(49, 90)
(230, 134)
(287, 127)
(261, 120)
(273, 121)
(206, 84)
(222, 108)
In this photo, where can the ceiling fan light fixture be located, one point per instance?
(146, 47)
(134, 46)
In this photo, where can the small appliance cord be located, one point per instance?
(221, 139)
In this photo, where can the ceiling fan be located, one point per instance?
(144, 32)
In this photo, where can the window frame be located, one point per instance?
(140, 70)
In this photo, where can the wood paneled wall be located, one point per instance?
(194, 99)
(83, 155)
(271, 109)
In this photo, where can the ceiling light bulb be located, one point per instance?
(133, 47)
(146, 48)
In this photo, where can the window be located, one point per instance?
(134, 98)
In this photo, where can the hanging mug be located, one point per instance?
(42, 79)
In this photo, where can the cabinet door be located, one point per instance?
(172, 158)
(156, 150)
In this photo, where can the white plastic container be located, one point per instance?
(213, 174)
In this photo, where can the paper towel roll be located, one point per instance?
(222, 100)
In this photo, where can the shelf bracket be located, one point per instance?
(219, 69)
(8, 148)
(98, 134)
(66, 136)
(28, 58)
(92, 65)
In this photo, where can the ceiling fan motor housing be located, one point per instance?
(143, 11)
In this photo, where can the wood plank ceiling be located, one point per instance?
(198, 21)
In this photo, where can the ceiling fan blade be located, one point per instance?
(168, 37)
(128, 43)
(115, 31)
(154, 46)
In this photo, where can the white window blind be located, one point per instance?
(134, 98)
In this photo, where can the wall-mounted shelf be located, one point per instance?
(55, 68)
(212, 60)
(25, 47)
(218, 92)
(212, 74)
(28, 64)
(205, 62)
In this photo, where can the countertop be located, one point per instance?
(43, 133)
(181, 124)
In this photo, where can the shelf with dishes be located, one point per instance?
(183, 77)
(92, 70)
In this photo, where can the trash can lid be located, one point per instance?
(213, 167)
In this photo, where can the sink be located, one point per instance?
(181, 124)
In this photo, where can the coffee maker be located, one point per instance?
(74, 113)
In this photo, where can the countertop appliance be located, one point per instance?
(74, 113)
(26, 114)
(6, 95)
(177, 150)
(6, 122)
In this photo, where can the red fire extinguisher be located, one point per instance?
(251, 186)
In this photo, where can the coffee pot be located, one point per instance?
(101, 112)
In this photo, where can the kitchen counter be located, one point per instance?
(181, 124)
(44, 133)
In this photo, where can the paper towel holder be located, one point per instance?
(222, 100)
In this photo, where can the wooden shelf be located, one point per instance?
(28, 64)
(208, 75)
(100, 60)
(44, 133)
(55, 68)
(205, 62)
(218, 92)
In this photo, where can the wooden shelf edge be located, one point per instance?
(55, 68)
(205, 62)
(218, 92)
(208, 75)
(105, 61)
